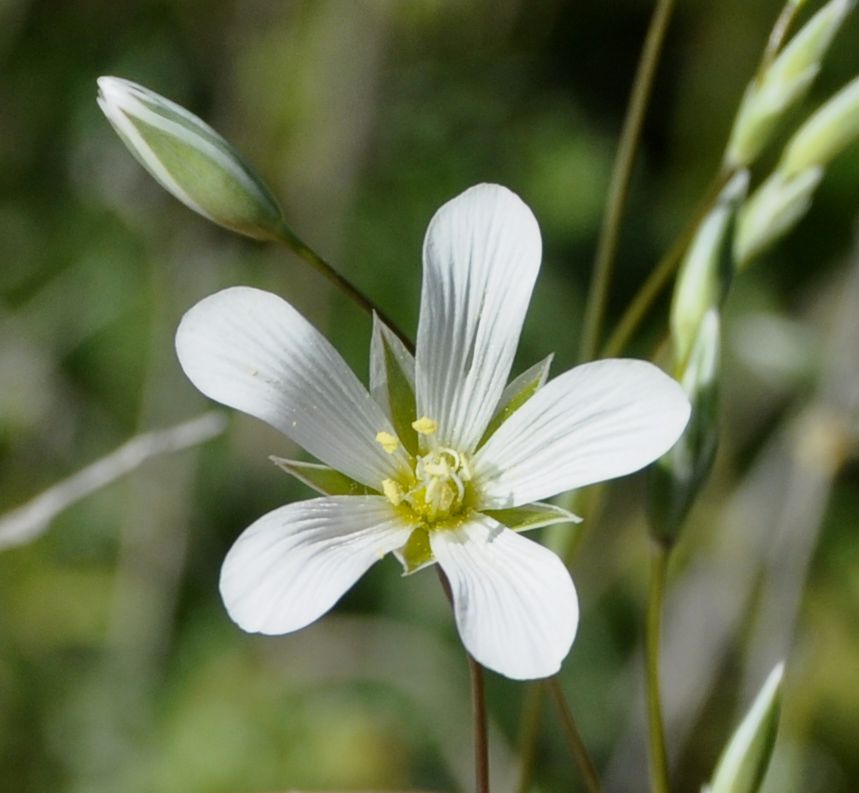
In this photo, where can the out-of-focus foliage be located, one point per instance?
(119, 670)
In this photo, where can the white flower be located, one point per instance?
(438, 462)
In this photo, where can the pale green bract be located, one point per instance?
(743, 764)
(827, 132)
(190, 160)
(783, 84)
(773, 210)
(440, 461)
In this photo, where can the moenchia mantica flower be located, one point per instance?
(441, 461)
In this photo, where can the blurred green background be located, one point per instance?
(119, 669)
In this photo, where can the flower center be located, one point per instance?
(439, 488)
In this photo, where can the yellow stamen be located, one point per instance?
(393, 491)
(390, 443)
(425, 426)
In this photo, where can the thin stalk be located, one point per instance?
(660, 276)
(574, 738)
(621, 177)
(478, 707)
(479, 733)
(531, 710)
(302, 249)
(655, 724)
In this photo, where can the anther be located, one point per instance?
(390, 443)
(425, 426)
(393, 491)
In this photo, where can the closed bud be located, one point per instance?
(773, 210)
(677, 477)
(743, 764)
(706, 271)
(190, 160)
(825, 134)
(782, 84)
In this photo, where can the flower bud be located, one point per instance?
(782, 84)
(743, 764)
(190, 160)
(825, 134)
(772, 210)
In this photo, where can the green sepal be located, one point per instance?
(744, 761)
(517, 393)
(532, 516)
(392, 382)
(416, 553)
(322, 479)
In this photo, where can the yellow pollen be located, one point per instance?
(438, 490)
(390, 443)
(425, 426)
(393, 491)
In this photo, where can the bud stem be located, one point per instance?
(574, 739)
(288, 238)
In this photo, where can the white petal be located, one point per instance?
(515, 603)
(294, 564)
(594, 422)
(253, 351)
(481, 256)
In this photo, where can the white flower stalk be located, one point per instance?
(440, 461)
(826, 133)
(783, 84)
(190, 160)
(743, 764)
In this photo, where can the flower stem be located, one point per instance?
(530, 720)
(655, 724)
(302, 249)
(478, 706)
(478, 716)
(621, 177)
(661, 274)
(574, 738)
